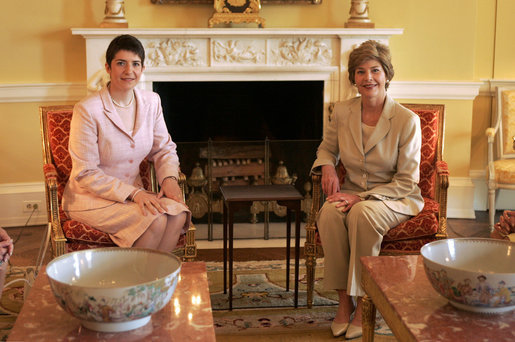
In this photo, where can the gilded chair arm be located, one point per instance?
(190, 250)
(442, 171)
(182, 184)
(51, 190)
(310, 245)
(49, 171)
(58, 239)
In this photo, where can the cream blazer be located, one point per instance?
(106, 157)
(388, 167)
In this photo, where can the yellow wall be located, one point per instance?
(443, 41)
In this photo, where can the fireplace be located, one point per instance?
(243, 57)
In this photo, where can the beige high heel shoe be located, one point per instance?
(354, 331)
(339, 329)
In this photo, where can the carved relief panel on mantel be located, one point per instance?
(184, 52)
(173, 52)
(302, 51)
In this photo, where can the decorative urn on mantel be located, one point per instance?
(359, 15)
(114, 15)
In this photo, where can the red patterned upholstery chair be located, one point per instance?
(429, 225)
(68, 235)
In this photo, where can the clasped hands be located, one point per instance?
(331, 188)
(6, 246)
(505, 226)
(151, 202)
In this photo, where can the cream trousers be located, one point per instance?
(348, 236)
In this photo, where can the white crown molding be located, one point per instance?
(42, 92)
(444, 90)
(45, 92)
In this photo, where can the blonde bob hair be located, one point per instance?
(368, 50)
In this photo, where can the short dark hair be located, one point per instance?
(125, 42)
(368, 50)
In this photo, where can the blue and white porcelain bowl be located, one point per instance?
(114, 289)
(474, 274)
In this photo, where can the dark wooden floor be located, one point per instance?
(28, 241)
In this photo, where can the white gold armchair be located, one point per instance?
(501, 160)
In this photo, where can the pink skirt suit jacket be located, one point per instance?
(105, 164)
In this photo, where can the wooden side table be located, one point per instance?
(238, 196)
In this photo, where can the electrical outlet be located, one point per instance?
(29, 206)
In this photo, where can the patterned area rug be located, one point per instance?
(261, 304)
(13, 297)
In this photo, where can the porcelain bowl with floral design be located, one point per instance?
(474, 274)
(113, 289)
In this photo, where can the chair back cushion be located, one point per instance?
(507, 129)
(58, 133)
(428, 153)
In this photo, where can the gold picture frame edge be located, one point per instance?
(276, 2)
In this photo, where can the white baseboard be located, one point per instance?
(460, 198)
(12, 197)
(465, 195)
(505, 199)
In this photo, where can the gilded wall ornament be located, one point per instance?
(233, 51)
(236, 11)
(302, 51)
(169, 52)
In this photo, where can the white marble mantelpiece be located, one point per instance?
(228, 54)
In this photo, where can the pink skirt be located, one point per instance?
(124, 222)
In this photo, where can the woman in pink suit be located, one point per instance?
(112, 131)
(378, 142)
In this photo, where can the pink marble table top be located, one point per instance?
(427, 315)
(187, 317)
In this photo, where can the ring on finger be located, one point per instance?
(346, 202)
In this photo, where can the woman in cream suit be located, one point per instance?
(378, 142)
(111, 132)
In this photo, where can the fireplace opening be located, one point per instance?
(242, 133)
(221, 111)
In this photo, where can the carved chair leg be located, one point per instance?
(369, 319)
